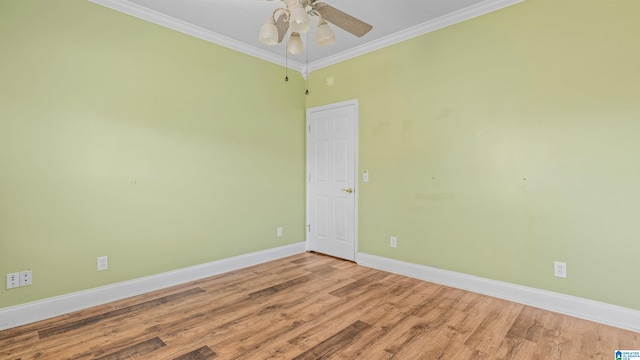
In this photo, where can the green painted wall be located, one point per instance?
(119, 137)
(494, 146)
(503, 143)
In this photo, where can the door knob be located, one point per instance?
(348, 190)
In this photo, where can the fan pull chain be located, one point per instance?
(286, 65)
(306, 69)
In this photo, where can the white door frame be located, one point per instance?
(356, 187)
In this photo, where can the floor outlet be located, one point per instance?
(279, 232)
(103, 263)
(393, 242)
(560, 269)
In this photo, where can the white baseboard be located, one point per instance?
(44, 309)
(620, 317)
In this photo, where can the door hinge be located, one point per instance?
(308, 227)
(309, 178)
(309, 127)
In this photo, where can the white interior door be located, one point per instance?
(331, 179)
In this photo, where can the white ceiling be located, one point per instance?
(235, 23)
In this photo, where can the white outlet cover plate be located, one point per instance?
(103, 263)
(26, 278)
(560, 269)
(13, 280)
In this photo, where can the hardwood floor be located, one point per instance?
(312, 306)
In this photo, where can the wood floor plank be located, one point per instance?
(127, 311)
(272, 324)
(494, 327)
(557, 340)
(433, 340)
(390, 342)
(246, 330)
(359, 285)
(515, 348)
(424, 330)
(383, 319)
(411, 304)
(274, 312)
(291, 283)
(469, 353)
(336, 342)
(461, 329)
(136, 350)
(328, 322)
(11, 344)
(313, 306)
(271, 341)
(203, 353)
(529, 324)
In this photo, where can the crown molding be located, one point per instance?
(158, 18)
(155, 17)
(453, 18)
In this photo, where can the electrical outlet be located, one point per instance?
(13, 280)
(26, 278)
(393, 242)
(560, 269)
(103, 263)
(279, 232)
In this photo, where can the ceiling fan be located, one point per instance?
(296, 17)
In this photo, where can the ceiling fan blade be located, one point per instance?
(342, 20)
(282, 25)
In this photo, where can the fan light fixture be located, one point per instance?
(269, 32)
(294, 44)
(299, 20)
(324, 34)
(296, 18)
